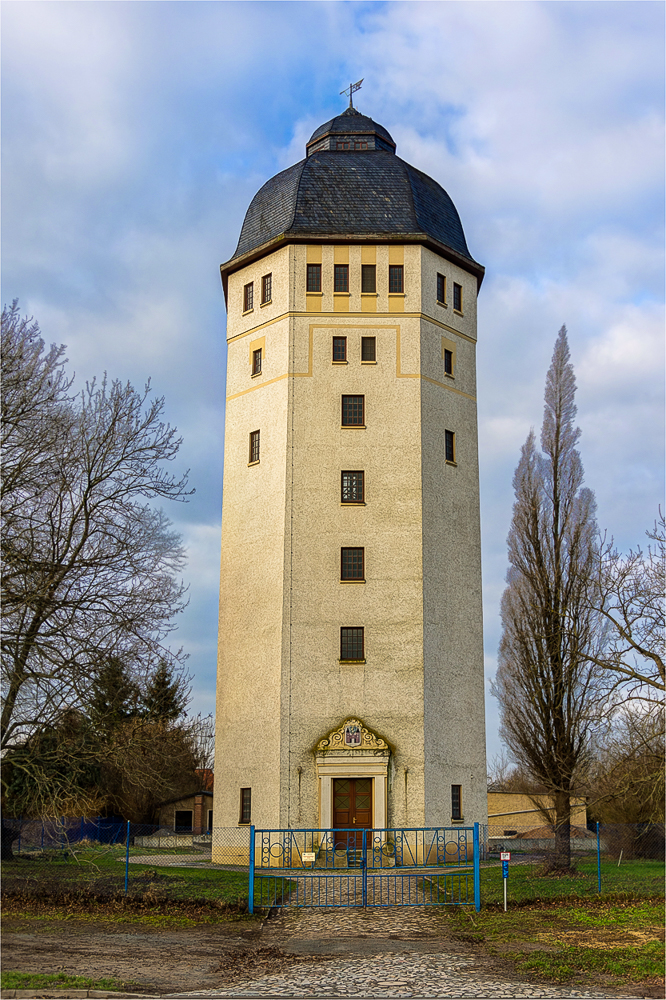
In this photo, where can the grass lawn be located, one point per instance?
(527, 882)
(577, 941)
(56, 980)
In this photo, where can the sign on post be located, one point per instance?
(505, 857)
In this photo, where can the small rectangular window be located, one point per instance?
(352, 645)
(341, 278)
(245, 805)
(353, 487)
(256, 362)
(457, 297)
(456, 802)
(254, 446)
(448, 361)
(368, 348)
(339, 348)
(266, 288)
(396, 278)
(449, 446)
(368, 277)
(352, 564)
(441, 289)
(353, 408)
(248, 297)
(314, 278)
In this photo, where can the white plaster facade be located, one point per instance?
(281, 685)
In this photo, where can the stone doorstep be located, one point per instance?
(46, 994)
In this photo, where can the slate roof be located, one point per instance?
(369, 194)
(353, 121)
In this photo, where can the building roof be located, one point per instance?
(351, 187)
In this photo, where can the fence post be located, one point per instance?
(364, 871)
(19, 840)
(42, 834)
(250, 881)
(127, 857)
(598, 858)
(477, 870)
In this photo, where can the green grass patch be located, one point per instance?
(56, 980)
(528, 882)
(625, 964)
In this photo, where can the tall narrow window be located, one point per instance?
(339, 348)
(341, 278)
(457, 297)
(353, 408)
(266, 288)
(248, 297)
(352, 645)
(256, 362)
(441, 289)
(396, 278)
(456, 802)
(314, 278)
(368, 278)
(368, 348)
(352, 564)
(353, 487)
(450, 446)
(448, 361)
(254, 446)
(245, 805)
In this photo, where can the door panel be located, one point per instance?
(352, 808)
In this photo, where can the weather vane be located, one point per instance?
(351, 89)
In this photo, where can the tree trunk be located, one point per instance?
(562, 859)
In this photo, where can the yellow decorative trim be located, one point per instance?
(303, 314)
(256, 345)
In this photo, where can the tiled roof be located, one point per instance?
(351, 120)
(370, 193)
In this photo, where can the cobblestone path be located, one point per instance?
(403, 975)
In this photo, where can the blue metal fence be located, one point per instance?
(436, 866)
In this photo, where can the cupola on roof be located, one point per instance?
(351, 188)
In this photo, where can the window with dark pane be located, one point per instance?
(352, 564)
(352, 646)
(456, 801)
(457, 297)
(341, 278)
(449, 446)
(248, 297)
(314, 278)
(339, 348)
(368, 278)
(254, 446)
(448, 361)
(245, 805)
(368, 348)
(441, 288)
(396, 278)
(266, 288)
(353, 411)
(353, 487)
(256, 362)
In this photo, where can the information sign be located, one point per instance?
(308, 856)
(505, 869)
(505, 855)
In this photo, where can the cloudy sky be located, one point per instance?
(136, 133)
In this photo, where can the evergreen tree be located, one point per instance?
(115, 695)
(166, 696)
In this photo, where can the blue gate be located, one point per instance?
(436, 866)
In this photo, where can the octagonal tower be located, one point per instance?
(350, 672)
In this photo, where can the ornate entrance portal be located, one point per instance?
(352, 768)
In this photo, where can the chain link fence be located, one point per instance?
(603, 858)
(99, 859)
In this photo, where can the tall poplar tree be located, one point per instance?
(546, 685)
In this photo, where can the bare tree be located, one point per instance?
(89, 567)
(546, 686)
(630, 601)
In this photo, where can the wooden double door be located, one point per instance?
(352, 809)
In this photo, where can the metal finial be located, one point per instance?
(351, 89)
